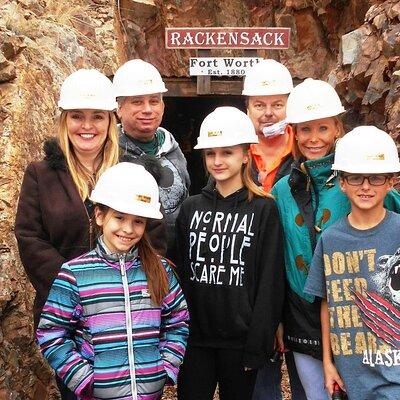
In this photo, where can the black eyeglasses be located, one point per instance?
(373, 180)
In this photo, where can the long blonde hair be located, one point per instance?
(295, 149)
(108, 156)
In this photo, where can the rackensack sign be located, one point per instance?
(227, 38)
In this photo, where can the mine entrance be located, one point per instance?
(183, 117)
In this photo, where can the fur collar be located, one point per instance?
(54, 155)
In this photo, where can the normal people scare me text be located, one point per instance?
(218, 242)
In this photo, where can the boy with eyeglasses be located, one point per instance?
(356, 272)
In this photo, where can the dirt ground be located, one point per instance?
(170, 392)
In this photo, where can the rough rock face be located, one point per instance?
(41, 42)
(317, 26)
(368, 77)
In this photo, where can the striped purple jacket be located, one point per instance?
(103, 335)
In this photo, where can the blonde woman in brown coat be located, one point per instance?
(54, 216)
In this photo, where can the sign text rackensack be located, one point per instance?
(230, 66)
(227, 38)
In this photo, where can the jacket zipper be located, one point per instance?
(128, 321)
(91, 244)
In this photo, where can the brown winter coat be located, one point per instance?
(52, 225)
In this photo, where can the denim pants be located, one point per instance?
(268, 383)
(311, 374)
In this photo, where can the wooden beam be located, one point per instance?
(203, 82)
(187, 87)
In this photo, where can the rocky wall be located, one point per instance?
(41, 42)
(368, 74)
(317, 26)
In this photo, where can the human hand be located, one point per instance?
(331, 377)
(279, 344)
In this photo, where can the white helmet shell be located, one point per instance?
(312, 99)
(130, 189)
(226, 126)
(366, 149)
(267, 78)
(87, 89)
(137, 78)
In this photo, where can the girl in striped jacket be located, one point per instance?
(115, 323)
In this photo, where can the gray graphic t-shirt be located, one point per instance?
(358, 272)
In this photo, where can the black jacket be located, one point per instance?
(231, 270)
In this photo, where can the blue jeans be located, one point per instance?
(311, 374)
(268, 383)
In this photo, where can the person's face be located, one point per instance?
(364, 195)
(315, 139)
(87, 130)
(120, 231)
(141, 115)
(225, 163)
(266, 110)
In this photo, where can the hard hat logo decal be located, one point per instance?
(312, 107)
(268, 83)
(214, 133)
(143, 198)
(147, 82)
(380, 157)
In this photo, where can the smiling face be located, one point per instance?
(225, 163)
(315, 139)
(87, 131)
(365, 196)
(121, 231)
(141, 115)
(266, 110)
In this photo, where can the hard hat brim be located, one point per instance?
(87, 105)
(131, 93)
(308, 117)
(371, 168)
(207, 145)
(146, 211)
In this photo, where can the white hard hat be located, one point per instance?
(226, 126)
(130, 189)
(137, 78)
(366, 149)
(266, 78)
(312, 99)
(87, 89)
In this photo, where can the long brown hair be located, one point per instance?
(157, 278)
(83, 179)
(295, 149)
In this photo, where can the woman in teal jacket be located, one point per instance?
(309, 200)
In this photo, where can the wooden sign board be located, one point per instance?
(227, 38)
(221, 66)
